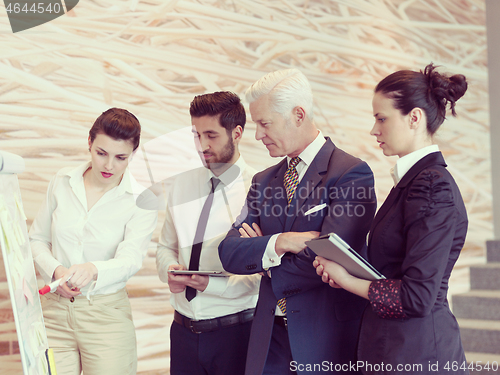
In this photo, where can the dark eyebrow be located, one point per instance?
(207, 132)
(104, 151)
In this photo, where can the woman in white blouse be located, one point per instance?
(89, 230)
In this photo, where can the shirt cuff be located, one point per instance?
(385, 299)
(103, 277)
(216, 285)
(270, 258)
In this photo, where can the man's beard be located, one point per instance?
(225, 157)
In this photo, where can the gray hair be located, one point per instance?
(288, 89)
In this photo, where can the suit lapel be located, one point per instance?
(311, 179)
(431, 159)
(384, 209)
(278, 193)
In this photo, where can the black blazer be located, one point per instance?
(323, 322)
(416, 238)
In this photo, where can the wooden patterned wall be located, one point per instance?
(152, 57)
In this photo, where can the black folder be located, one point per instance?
(332, 247)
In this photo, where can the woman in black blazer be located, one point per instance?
(416, 236)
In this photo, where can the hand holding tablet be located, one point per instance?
(203, 273)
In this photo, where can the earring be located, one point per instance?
(89, 149)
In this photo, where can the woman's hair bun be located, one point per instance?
(445, 89)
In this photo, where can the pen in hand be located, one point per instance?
(52, 287)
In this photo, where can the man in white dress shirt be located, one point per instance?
(213, 315)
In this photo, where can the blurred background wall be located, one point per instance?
(152, 57)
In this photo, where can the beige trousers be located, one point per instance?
(96, 336)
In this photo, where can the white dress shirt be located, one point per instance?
(114, 234)
(405, 163)
(270, 258)
(185, 199)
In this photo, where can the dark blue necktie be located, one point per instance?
(194, 261)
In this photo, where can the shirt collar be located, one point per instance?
(405, 163)
(231, 174)
(76, 178)
(307, 156)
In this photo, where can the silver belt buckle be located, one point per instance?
(191, 327)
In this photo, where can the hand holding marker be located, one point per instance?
(52, 287)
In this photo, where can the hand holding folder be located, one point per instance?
(334, 248)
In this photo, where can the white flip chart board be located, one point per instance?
(21, 278)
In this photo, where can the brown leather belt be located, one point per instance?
(210, 325)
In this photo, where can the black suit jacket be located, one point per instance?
(416, 237)
(323, 322)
